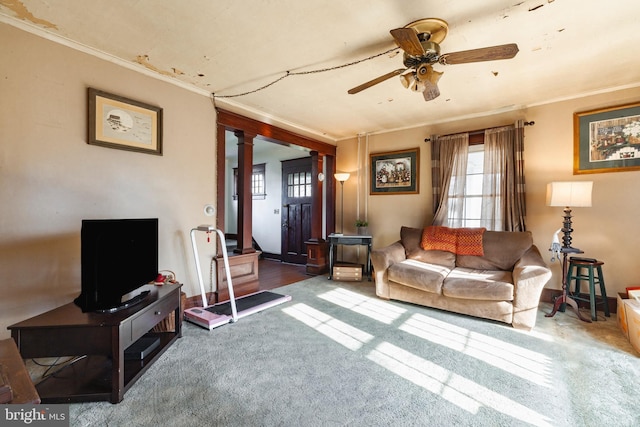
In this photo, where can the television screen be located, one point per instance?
(118, 256)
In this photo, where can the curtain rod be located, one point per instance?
(479, 131)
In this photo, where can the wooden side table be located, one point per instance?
(339, 239)
(21, 385)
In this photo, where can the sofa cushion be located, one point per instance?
(419, 275)
(490, 285)
(410, 238)
(502, 249)
(443, 258)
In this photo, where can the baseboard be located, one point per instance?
(268, 255)
(550, 295)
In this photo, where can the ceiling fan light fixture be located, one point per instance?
(434, 76)
(427, 75)
(420, 41)
(417, 86)
(431, 91)
(406, 79)
(422, 72)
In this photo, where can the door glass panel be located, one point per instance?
(299, 184)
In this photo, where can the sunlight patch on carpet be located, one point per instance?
(535, 333)
(373, 308)
(462, 392)
(526, 364)
(342, 333)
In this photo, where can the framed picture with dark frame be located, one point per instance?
(607, 140)
(125, 124)
(395, 172)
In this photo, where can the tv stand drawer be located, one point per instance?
(153, 314)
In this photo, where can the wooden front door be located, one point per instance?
(296, 209)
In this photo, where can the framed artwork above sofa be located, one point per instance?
(395, 172)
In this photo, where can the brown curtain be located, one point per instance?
(448, 170)
(503, 206)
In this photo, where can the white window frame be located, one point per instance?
(472, 198)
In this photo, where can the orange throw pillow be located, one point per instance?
(460, 241)
(438, 238)
(469, 241)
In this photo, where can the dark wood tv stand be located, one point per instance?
(101, 339)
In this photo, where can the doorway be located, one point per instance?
(322, 157)
(296, 209)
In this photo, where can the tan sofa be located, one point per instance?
(503, 284)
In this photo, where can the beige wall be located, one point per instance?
(607, 231)
(51, 178)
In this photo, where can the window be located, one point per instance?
(299, 184)
(471, 199)
(479, 182)
(258, 182)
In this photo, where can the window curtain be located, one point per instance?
(448, 174)
(503, 205)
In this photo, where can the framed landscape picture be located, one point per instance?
(607, 140)
(125, 124)
(395, 172)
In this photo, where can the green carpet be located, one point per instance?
(336, 355)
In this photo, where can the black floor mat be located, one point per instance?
(244, 303)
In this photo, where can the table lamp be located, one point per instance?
(569, 194)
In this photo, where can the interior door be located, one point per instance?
(296, 209)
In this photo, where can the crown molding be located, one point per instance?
(227, 104)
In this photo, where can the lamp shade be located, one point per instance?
(574, 194)
(342, 177)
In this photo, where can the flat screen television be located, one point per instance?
(118, 257)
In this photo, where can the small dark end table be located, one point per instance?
(349, 240)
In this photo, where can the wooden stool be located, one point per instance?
(576, 265)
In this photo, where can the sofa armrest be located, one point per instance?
(530, 275)
(382, 259)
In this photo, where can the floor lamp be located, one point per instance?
(568, 194)
(342, 177)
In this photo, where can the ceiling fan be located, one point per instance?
(420, 42)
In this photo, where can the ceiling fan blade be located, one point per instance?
(376, 81)
(505, 51)
(407, 39)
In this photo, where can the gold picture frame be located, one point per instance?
(124, 124)
(607, 140)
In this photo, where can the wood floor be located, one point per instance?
(272, 274)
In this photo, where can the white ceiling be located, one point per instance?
(568, 48)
